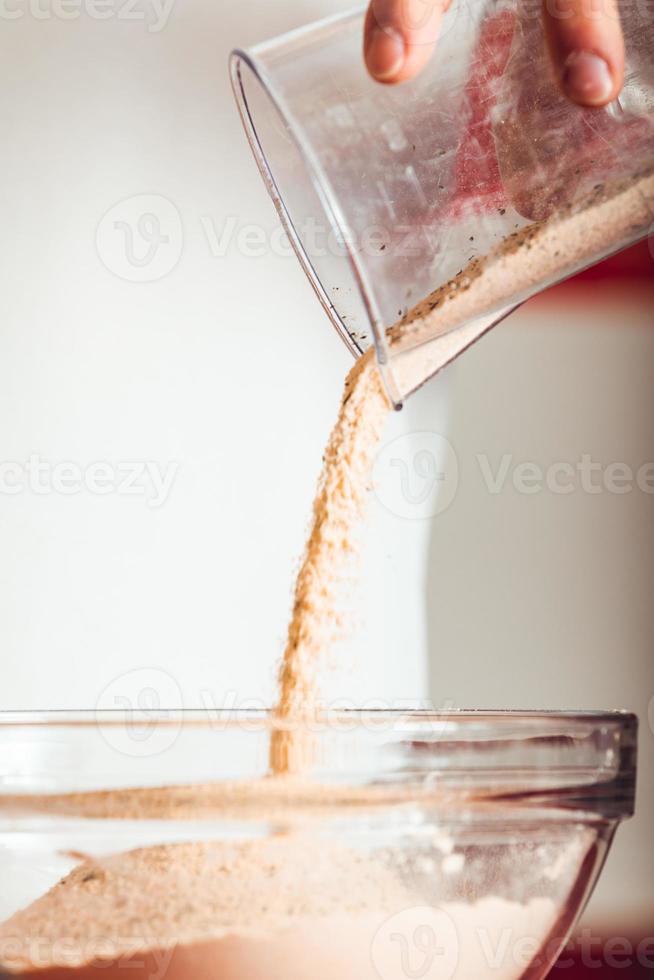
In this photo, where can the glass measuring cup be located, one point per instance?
(399, 199)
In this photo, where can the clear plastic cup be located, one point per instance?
(390, 192)
(447, 846)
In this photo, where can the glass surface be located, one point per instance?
(460, 845)
(389, 192)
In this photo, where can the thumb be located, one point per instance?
(587, 49)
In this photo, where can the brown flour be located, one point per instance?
(291, 907)
(535, 253)
(316, 621)
(220, 910)
(158, 896)
(287, 800)
(443, 324)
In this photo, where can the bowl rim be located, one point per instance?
(583, 762)
(223, 717)
(467, 723)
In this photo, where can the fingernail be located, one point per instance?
(587, 78)
(385, 53)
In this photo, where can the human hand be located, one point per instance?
(584, 39)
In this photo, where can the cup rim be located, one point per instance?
(314, 171)
(325, 192)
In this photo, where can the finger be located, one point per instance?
(400, 36)
(587, 49)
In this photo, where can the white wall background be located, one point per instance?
(224, 370)
(227, 369)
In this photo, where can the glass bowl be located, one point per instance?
(155, 844)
